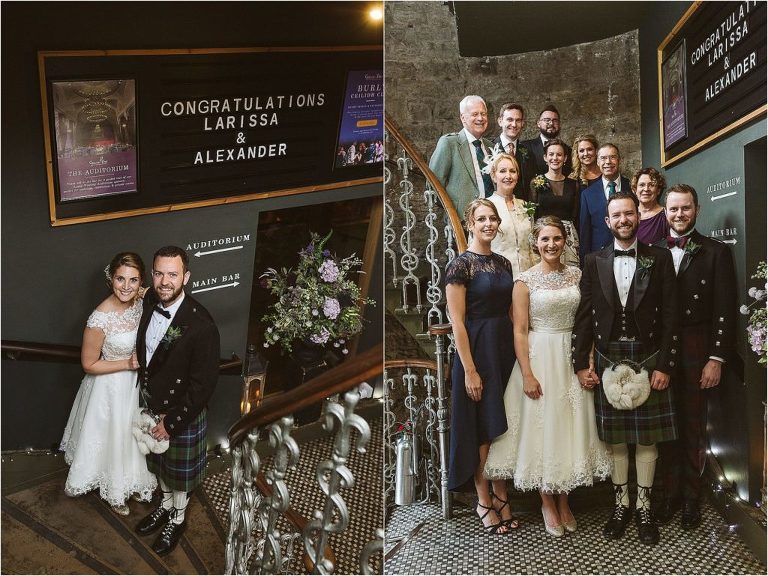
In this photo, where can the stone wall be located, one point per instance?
(596, 86)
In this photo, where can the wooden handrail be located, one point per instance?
(445, 200)
(71, 354)
(410, 363)
(339, 379)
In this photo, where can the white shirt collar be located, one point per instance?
(505, 141)
(173, 308)
(470, 137)
(617, 247)
(617, 181)
(676, 235)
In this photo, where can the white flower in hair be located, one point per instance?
(491, 158)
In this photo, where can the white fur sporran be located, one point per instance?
(624, 387)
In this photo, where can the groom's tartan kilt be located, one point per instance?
(182, 466)
(652, 422)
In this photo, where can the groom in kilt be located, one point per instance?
(178, 351)
(628, 313)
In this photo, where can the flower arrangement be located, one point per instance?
(318, 303)
(692, 248)
(530, 208)
(756, 326)
(540, 183)
(644, 265)
(171, 335)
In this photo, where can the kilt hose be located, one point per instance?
(682, 461)
(654, 421)
(182, 466)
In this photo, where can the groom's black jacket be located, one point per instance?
(183, 373)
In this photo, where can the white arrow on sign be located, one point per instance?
(731, 241)
(198, 253)
(713, 198)
(232, 285)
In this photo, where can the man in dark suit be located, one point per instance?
(512, 121)
(178, 351)
(459, 157)
(593, 233)
(549, 128)
(628, 312)
(708, 309)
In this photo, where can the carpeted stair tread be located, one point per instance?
(203, 537)
(76, 520)
(27, 552)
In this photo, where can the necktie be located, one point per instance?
(162, 312)
(511, 148)
(630, 252)
(487, 182)
(546, 143)
(611, 189)
(679, 241)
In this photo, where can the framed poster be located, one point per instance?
(174, 129)
(711, 75)
(94, 138)
(361, 134)
(673, 96)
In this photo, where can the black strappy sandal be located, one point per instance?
(511, 523)
(493, 528)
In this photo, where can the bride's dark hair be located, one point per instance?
(130, 259)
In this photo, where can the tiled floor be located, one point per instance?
(419, 541)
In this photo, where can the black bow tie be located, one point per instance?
(162, 312)
(679, 241)
(630, 252)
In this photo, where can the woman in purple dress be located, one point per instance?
(648, 185)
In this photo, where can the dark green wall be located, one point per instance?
(53, 277)
(736, 410)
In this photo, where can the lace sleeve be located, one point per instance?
(457, 271)
(574, 275)
(505, 263)
(98, 320)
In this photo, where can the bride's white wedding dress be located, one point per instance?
(551, 443)
(97, 443)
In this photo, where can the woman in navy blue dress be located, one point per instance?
(479, 293)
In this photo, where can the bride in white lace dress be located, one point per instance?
(97, 443)
(551, 443)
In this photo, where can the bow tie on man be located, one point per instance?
(162, 311)
(679, 241)
(630, 252)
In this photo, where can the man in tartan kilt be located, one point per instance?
(178, 351)
(705, 282)
(628, 311)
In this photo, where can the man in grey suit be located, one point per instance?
(459, 157)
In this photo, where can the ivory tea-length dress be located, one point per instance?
(551, 443)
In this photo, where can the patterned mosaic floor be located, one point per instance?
(459, 546)
(366, 512)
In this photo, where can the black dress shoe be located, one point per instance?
(169, 537)
(614, 528)
(666, 510)
(691, 517)
(647, 530)
(154, 521)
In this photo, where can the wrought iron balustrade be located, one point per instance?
(422, 231)
(258, 543)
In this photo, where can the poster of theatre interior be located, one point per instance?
(95, 138)
(361, 134)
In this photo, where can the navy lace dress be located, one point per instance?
(488, 281)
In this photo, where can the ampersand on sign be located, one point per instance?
(240, 138)
(727, 62)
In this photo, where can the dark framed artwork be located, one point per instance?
(674, 102)
(94, 144)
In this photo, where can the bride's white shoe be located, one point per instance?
(556, 531)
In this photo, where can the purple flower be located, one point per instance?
(326, 253)
(329, 271)
(321, 338)
(309, 250)
(331, 308)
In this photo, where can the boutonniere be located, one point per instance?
(523, 152)
(540, 183)
(644, 265)
(530, 208)
(172, 334)
(692, 248)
